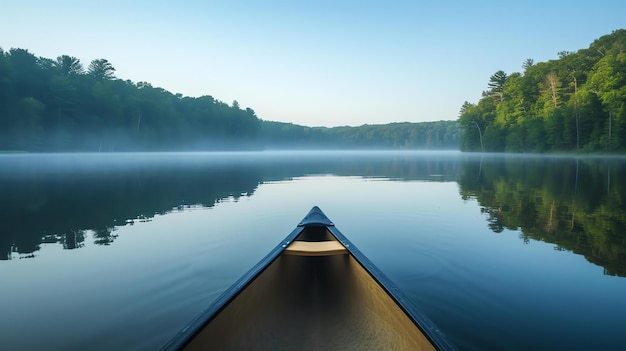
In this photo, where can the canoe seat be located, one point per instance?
(315, 248)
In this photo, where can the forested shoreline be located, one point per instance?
(440, 135)
(57, 105)
(574, 103)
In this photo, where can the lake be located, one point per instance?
(503, 252)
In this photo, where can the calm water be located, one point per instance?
(120, 251)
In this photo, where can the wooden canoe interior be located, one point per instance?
(305, 301)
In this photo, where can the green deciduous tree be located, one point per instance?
(577, 102)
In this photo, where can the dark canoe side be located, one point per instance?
(314, 291)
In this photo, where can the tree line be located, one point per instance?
(424, 136)
(58, 105)
(574, 103)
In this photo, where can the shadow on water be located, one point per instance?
(578, 204)
(62, 198)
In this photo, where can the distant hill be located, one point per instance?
(51, 105)
(425, 135)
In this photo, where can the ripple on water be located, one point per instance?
(413, 266)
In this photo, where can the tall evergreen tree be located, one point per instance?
(69, 65)
(496, 84)
(101, 69)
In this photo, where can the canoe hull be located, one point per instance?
(310, 302)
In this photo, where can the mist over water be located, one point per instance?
(126, 248)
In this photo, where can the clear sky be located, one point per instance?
(315, 63)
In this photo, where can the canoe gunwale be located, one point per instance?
(208, 314)
(428, 328)
(315, 218)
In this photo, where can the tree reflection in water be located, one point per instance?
(568, 201)
(66, 198)
(578, 204)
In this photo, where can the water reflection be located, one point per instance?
(70, 198)
(578, 204)
(575, 203)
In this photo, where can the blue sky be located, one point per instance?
(315, 63)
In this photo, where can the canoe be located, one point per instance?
(314, 291)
